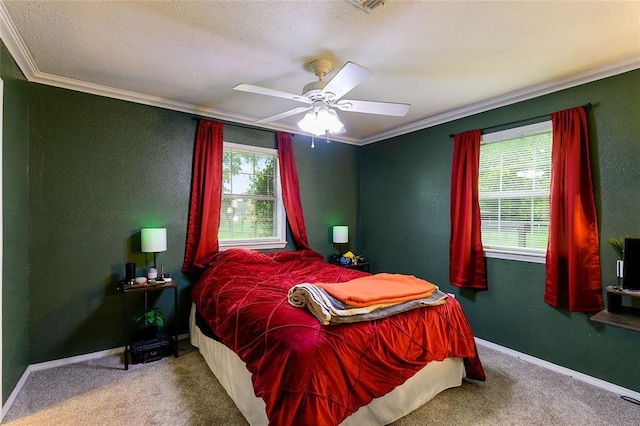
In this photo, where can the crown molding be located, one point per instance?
(140, 98)
(200, 111)
(609, 70)
(12, 39)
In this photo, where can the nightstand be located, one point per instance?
(139, 349)
(619, 314)
(361, 266)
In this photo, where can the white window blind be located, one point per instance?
(252, 213)
(515, 173)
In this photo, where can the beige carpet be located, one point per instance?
(183, 391)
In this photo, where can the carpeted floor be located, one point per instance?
(183, 391)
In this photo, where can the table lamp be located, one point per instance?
(340, 236)
(153, 240)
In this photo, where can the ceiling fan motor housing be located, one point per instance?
(313, 90)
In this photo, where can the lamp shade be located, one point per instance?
(153, 240)
(321, 121)
(340, 234)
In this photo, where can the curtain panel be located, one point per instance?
(573, 278)
(206, 196)
(467, 262)
(291, 190)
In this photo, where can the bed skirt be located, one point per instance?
(415, 392)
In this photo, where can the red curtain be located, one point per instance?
(467, 263)
(573, 260)
(206, 196)
(291, 190)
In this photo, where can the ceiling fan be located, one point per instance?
(322, 97)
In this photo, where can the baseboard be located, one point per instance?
(75, 359)
(86, 357)
(14, 393)
(58, 363)
(562, 370)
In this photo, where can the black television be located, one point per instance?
(631, 265)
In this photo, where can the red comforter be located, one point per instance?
(307, 373)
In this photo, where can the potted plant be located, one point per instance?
(150, 320)
(618, 245)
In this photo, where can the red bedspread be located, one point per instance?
(307, 373)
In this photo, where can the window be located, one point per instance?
(515, 174)
(252, 212)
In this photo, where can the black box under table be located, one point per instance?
(150, 350)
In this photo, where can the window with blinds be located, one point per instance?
(252, 212)
(515, 174)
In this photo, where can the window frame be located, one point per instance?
(523, 255)
(279, 241)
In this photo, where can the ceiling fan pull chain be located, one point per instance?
(313, 145)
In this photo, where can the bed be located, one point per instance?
(282, 367)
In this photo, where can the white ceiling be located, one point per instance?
(448, 59)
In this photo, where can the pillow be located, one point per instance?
(241, 255)
(285, 256)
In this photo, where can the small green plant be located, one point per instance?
(150, 317)
(618, 245)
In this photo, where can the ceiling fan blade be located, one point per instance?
(349, 76)
(283, 115)
(372, 107)
(244, 87)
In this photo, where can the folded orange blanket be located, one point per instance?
(380, 288)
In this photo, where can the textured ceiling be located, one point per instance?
(447, 59)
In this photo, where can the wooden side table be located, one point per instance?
(362, 266)
(617, 313)
(128, 289)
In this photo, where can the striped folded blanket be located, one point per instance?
(380, 288)
(329, 310)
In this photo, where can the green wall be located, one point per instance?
(95, 170)
(328, 177)
(99, 170)
(15, 333)
(404, 227)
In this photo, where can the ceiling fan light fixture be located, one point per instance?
(320, 122)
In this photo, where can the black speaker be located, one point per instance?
(131, 272)
(631, 266)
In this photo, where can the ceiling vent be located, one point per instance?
(367, 5)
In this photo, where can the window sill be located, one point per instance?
(253, 245)
(513, 255)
